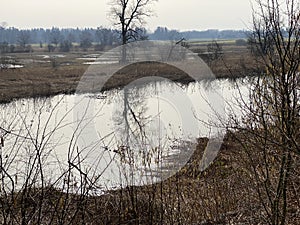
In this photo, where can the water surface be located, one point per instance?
(137, 135)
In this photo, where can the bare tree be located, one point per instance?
(269, 132)
(104, 36)
(129, 16)
(23, 38)
(215, 51)
(55, 36)
(86, 40)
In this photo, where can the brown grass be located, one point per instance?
(225, 193)
(44, 80)
(38, 81)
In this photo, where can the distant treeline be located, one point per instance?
(12, 39)
(55, 35)
(163, 33)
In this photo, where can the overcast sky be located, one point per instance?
(176, 14)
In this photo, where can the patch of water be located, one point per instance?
(52, 56)
(100, 62)
(135, 136)
(10, 66)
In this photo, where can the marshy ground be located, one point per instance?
(225, 193)
(46, 74)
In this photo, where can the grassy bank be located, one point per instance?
(44, 77)
(223, 194)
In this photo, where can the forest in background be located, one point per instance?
(101, 36)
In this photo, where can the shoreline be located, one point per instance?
(45, 81)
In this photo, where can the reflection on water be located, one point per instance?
(138, 135)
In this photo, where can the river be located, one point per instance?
(137, 135)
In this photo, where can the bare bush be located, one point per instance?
(269, 129)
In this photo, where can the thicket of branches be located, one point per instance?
(269, 130)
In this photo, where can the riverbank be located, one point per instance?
(225, 193)
(63, 75)
(213, 196)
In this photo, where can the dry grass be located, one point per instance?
(42, 79)
(39, 81)
(225, 193)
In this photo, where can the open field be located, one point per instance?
(47, 74)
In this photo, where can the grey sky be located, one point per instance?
(183, 14)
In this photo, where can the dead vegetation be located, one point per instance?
(46, 79)
(223, 194)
